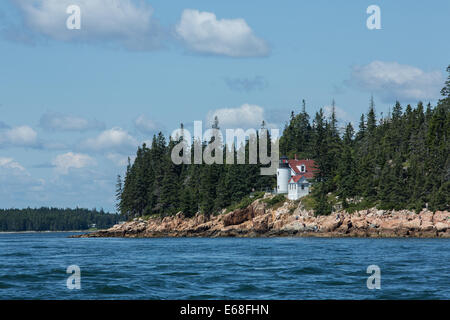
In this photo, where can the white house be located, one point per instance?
(298, 187)
(294, 177)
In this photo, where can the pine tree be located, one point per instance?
(169, 200)
(119, 194)
(346, 176)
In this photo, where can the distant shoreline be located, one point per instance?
(46, 231)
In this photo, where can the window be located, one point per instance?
(303, 187)
(302, 168)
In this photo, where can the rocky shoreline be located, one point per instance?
(289, 219)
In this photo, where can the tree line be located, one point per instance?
(397, 161)
(394, 161)
(54, 219)
(153, 184)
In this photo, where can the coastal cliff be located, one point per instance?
(287, 219)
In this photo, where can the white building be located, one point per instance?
(283, 175)
(294, 177)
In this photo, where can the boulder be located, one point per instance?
(413, 222)
(238, 216)
(294, 226)
(199, 218)
(261, 223)
(442, 216)
(179, 215)
(259, 207)
(441, 226)
(330, 223)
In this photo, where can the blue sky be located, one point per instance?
(75, 103)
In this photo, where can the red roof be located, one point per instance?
(295, 178)
(310, 168)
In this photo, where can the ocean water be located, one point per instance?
(33, 266)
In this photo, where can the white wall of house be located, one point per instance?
(298, 190)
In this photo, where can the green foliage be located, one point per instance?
(321, 204)
(361, 205)
(308, 202)
(257, 195)
(399, 161)
(276, 200)
(54, 219)
(241, 204)
(154, 185)
(246, 201)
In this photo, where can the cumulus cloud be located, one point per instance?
(21, 136)
(64, 162)
(394, 81)
(64, 122)
(202, 32)
(16, 183)
(245, 116)
(246, 84)
(147, 125)
(76, 183)
(128, 23)
(10, 164)
(111, 140)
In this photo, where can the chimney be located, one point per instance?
(295, 156)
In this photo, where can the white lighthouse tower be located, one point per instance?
(283, 175)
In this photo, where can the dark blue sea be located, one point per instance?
(34, 265)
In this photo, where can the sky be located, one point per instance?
(76, 103)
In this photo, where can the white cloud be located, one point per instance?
(393, 81)
(15, 180)
(16, 183)
(75, 183)
(64, 162)
(64, 122)
(146, 125)
(111, 140)
(21, 136)
(126, 22)
(17, 186)
(202, 32)
(10, 164)
(246, 116)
